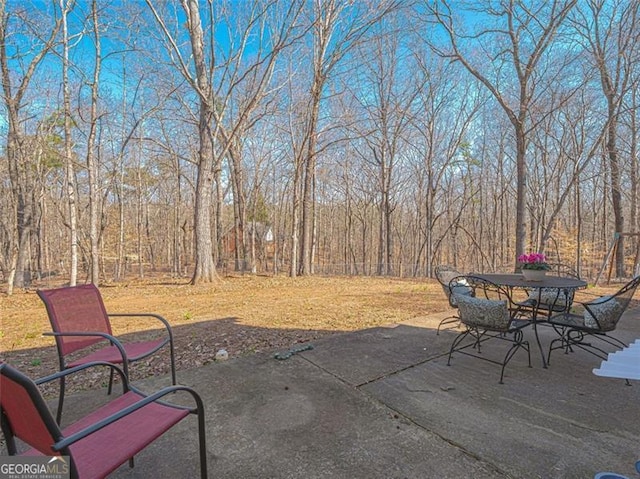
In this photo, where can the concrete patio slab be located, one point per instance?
(561, 422)
(365, 356)
(382, 403)
(285, 419)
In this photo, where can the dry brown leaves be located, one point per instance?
(242, 314)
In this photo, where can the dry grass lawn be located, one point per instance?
(242, 314)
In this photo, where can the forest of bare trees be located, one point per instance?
(190, 137)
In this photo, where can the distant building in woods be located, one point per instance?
(256, 231)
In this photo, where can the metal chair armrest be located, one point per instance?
(142, 315)
(75, 369)
(73, 438)
(150, 315)
(112, 339)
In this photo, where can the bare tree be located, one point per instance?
(214, 98)
(386, 97)
(361, 147)
(92, 167)
(610, 31)
(517, 44)
(447, 105)
(565, 154)
(65, 7)
(337, 28)
(20, 173)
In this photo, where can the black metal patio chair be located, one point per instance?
(548, 301)
(487, 314)
(600, 317)
(444, 275)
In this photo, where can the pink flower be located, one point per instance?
(533, 261)
(538, 258)
(532, 258)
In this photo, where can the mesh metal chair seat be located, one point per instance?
(79, 320)
(491, 316)
(599, 318)
(101, 441)
(444, 275)
(551, 300)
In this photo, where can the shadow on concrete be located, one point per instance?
(195, 345)
(382, 403)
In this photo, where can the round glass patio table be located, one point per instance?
(517, 281)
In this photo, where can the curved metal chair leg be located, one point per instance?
(455, 343)
(512, 351)
(447, 320)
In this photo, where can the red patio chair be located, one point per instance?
(100, 442)
(79, 320)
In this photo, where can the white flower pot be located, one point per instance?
(534, 274)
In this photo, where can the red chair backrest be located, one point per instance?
(25, 411)
(76, 309)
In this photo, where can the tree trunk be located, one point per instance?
(295, 219)
(204, 271)
(92, 168)
(68, 153)
(20, 178)
(139, 208)
(616, 196)
(239, 208)
(633, 173)
(308, 199)
(521, 188)
(120, 269)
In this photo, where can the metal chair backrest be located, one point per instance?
(76, 309)
(553, 300)
(625, 294)
(488, 307)
(25, 415)
(607, 310)
(564, 270)
(484, 287)
(444, 274)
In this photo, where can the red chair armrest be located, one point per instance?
(113, 340)
(66, 372)
(67, 441)
(149, 315)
